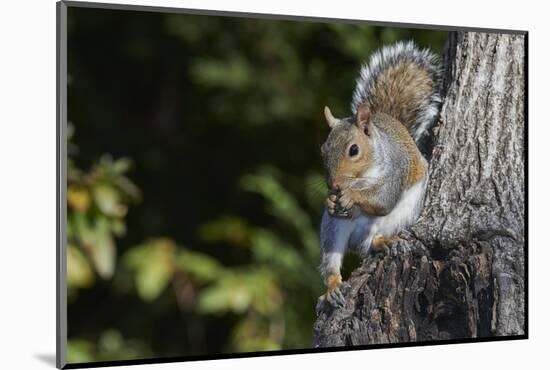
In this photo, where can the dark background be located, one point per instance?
(195, 181)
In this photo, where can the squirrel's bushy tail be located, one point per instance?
(403, 81)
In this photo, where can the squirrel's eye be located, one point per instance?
(353, 150)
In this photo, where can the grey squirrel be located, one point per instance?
(377, 176)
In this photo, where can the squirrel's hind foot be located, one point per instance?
(389, 246)
(381, 244)
(333, 298)
(336, 298)
(334, 295)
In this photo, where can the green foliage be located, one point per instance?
(79, 271)
(110, 346)
(232, 73)
(282, 205)
(153, 264)
(227, 228)
(282, 272)
(241, 290)
(97, 204)
(200, 267)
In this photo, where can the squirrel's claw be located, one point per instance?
(345, 200)
(336, 298)
(402, 248)
(340, 203)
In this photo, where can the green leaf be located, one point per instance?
(97, 241)
(107, 199)
(128, 188)
(103, 251)
(241, 290)
(152, 281)
(118, 227)
(201, 267)
(154, 264)
(122, 165)
(228, 294)
(268, 247)
(267, 298)
(213, 299)
(234, 72)
(81, 228)
(79, 272)
(227, 228)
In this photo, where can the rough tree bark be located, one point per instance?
(463, 276)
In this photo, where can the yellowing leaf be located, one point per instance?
(78, 198)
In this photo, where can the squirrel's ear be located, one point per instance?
(362, 118)
(330, 118)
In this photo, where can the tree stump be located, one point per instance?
(459, 271)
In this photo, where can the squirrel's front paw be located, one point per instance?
(340, 203)
(345, 199)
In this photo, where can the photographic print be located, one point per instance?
(243, 184)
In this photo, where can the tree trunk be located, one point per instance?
(459, 271)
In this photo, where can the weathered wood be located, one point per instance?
(458, 272)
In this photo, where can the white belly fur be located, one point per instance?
(405, 213)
